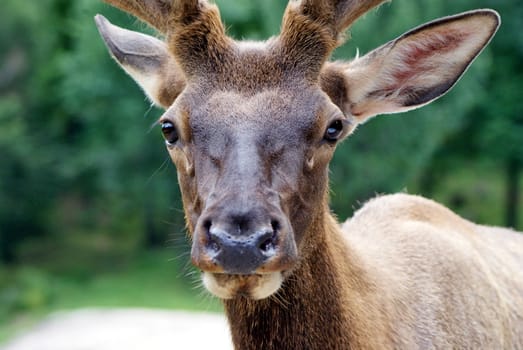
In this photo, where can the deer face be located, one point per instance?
(252, 127)
(251, 166)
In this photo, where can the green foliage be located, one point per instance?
(252, 20)
(71, 132)
(26, 290)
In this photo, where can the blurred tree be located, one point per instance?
(74, 156)
(24, 197)
(501, 136)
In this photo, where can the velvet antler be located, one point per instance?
(155, 12)
(312, 29)
(337, 14)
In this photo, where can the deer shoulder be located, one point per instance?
(440, 265)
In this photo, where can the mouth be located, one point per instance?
(255, 286)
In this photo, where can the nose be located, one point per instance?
(240, 244)
(244, 253)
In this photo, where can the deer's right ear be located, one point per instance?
(146, 59)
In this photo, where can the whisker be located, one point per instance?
(146, 113)
(162, 167)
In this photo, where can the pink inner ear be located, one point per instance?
(422, 52)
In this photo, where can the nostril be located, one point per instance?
(213, 241)
(268, 240)
(275, 225)
(268, 244)
(207, 225)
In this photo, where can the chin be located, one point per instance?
(255, 287)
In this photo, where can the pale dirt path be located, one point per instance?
(126, 329)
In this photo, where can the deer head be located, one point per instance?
(252, 126)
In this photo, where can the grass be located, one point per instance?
(151, 280)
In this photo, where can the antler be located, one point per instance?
(164, 15)
(312, 29)
(338, 15)
(193, 28)
(155, 12)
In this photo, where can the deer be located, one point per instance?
(251, 127)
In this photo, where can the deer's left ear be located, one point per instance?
(411, 71)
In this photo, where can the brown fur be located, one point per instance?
(252, 118)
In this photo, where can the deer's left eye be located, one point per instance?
(170, 134)
(334, 131)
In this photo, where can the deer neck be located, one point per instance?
(322, 305)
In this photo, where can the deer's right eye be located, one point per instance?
(170, 134)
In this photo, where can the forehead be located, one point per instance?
(275, 105)
(266, 113)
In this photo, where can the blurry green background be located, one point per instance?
(90, 213)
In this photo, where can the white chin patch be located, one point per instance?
(250, 286)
